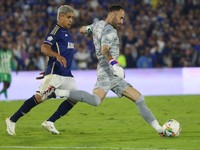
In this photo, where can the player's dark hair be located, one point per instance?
(115, 8)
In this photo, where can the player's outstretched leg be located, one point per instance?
(25, 108)
(148, 115)
(77, 95)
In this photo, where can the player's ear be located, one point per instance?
(112, 14)
(60, 16)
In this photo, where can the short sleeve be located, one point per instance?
(51, 39)
(108, 38)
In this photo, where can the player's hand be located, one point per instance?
(62, 60)
(16, 72)
(41, 77)
(119, 70)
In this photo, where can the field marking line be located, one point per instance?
(29, 147)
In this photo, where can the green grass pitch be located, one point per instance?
(115, 124)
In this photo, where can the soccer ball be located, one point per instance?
(172, 128)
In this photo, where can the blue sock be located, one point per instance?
(25, 108)
(62, 110)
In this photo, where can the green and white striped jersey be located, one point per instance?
(5, 61)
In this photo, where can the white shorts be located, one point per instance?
(59, 82)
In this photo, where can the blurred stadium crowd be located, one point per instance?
(155, 33)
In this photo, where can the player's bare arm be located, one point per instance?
(86, 29)
(107, 55)
(46, 50)
(82, 30)
(41, 77)
(106, 52)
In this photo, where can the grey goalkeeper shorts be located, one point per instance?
(114, 83)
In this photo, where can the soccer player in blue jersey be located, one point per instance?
(59, 49)
(110, 76)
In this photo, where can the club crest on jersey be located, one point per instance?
(50, 38)
(109, 36)
(70, 45)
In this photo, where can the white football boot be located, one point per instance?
(50, 127)
(10, 126)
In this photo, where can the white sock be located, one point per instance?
(62, 93)
(156, 126)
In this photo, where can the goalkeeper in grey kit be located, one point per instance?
(110, 76)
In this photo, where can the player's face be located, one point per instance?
(4, 46)
(118, 19)
(66, 20)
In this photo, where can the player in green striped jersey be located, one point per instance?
(6, 62)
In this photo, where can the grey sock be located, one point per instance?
(144, 111)
(83, 96)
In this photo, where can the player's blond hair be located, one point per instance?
(63, 9)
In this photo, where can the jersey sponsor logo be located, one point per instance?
(66, 35)
(50, 38)
(70, 45)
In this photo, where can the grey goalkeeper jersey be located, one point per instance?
(105, 34)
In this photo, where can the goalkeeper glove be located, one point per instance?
(119, 70)
(88, 29)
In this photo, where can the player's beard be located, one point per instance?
(114, 22)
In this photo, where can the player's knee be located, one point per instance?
(38, 98)
(73, 101)
(140, 100)
(97, 101)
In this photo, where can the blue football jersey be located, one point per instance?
(61, 42)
